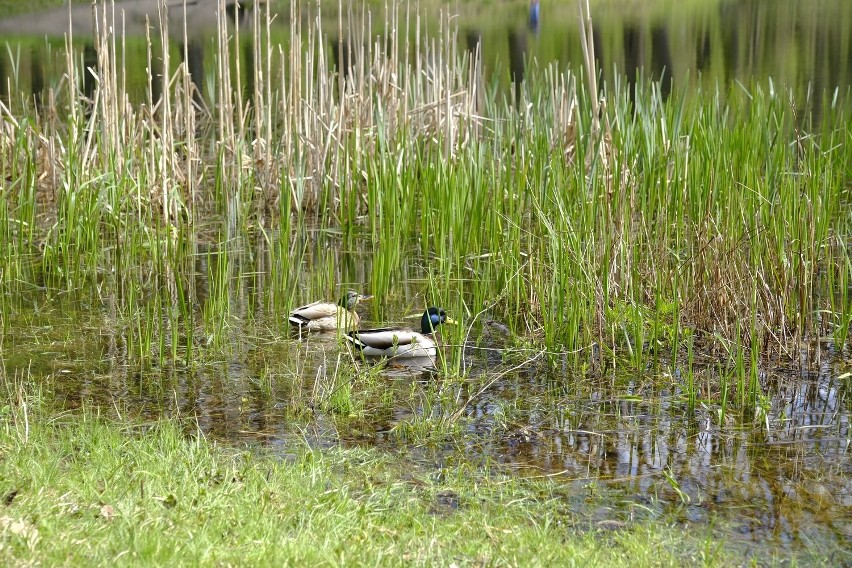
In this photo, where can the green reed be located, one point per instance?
(649, 226)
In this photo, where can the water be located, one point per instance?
(801, 45)
(779, 476)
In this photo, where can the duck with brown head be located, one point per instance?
(327, 316)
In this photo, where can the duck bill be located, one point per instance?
(450, 320)
(365, 297)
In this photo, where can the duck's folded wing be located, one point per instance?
(314, 311)
(386, 338)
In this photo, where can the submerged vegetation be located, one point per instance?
(592, 238)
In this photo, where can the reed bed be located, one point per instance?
(600, 222)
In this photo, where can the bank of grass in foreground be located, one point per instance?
(80, 490)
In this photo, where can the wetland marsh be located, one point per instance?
(652, 285)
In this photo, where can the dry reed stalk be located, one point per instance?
(188, 113)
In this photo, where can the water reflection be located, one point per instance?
(806, 46)
(768, 478)
(517, 61)
(783, 478)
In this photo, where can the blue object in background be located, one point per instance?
(535, 9)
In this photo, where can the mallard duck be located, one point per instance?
(325, 316)
(401, 342)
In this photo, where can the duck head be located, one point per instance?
(432, 318)
(351, 299)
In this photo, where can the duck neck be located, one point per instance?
(426, 325)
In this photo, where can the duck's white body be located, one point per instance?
(397, 342)
(393, 342)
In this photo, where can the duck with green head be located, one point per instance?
(326, 316)
(399, 341)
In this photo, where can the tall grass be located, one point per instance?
(613, 215)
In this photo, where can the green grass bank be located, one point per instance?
(79, 489)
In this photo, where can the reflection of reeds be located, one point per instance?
(643, 225)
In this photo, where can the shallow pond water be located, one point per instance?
(623, 444)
